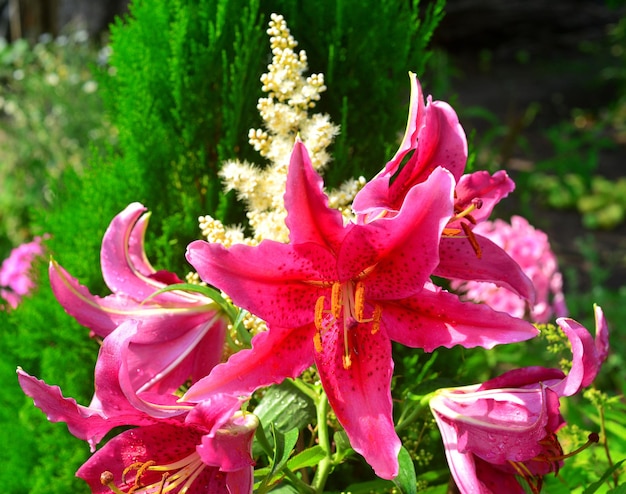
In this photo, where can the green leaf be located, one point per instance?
(285, 489)
(378, 485)
(283, 446)
(285, 406)
(596, 485)
(307, 458)
(406, 481)
(342, 446)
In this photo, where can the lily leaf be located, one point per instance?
(307, 458)
(406, 481)
(285, 406)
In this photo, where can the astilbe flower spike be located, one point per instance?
(434, 138)
(506, 427)
(337, 295)
(182, 333)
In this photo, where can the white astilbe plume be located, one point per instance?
(285, 113)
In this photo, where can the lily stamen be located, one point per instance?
(177, 475)
(347, 298)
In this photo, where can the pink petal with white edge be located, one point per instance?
(498, 425)
(275, 355)
(125, 268)
(361, 394)
(87, 423)
(586, 359)
(462, 465)
(229, 446)
(115, 386)
(436, 318)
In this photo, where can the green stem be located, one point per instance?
(605, 444)
(325, 465)
(415, 412)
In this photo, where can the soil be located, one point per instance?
(554, 70)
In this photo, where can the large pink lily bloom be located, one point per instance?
(434, 138)
(182, 333)
(506, 427)
(337, 296)
(210, 453)
(115, 402)
(202, 447)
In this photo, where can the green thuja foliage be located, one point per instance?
(185, 76)
(181, 90)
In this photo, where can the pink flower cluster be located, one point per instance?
(16, 279)
(530, 248)
(335, 296)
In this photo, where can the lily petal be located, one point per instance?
(586, 359)
(275, 355)
(309, 218)
(436, 318)
(361, 394)
(125, 268)
(490, 189)
(458, 260)
(87, 423)
(163, 444)
(435, 135)
(404, 248)
(267, 279)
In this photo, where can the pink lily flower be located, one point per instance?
(337, 296)
(115, 401)
(434, 138)
(506, 427)
(201, 448)
(210, 453)
(530, 248)
(182, 333)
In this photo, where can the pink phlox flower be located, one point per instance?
(434, 138)
(16, 278)
(182, 333)
(506, 427)
(337, 295)
(530, 248)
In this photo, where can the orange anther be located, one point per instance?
(376, 317)
(319, 313)
(359, 301)
(317, 341)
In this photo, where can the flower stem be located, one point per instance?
(323, 438)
